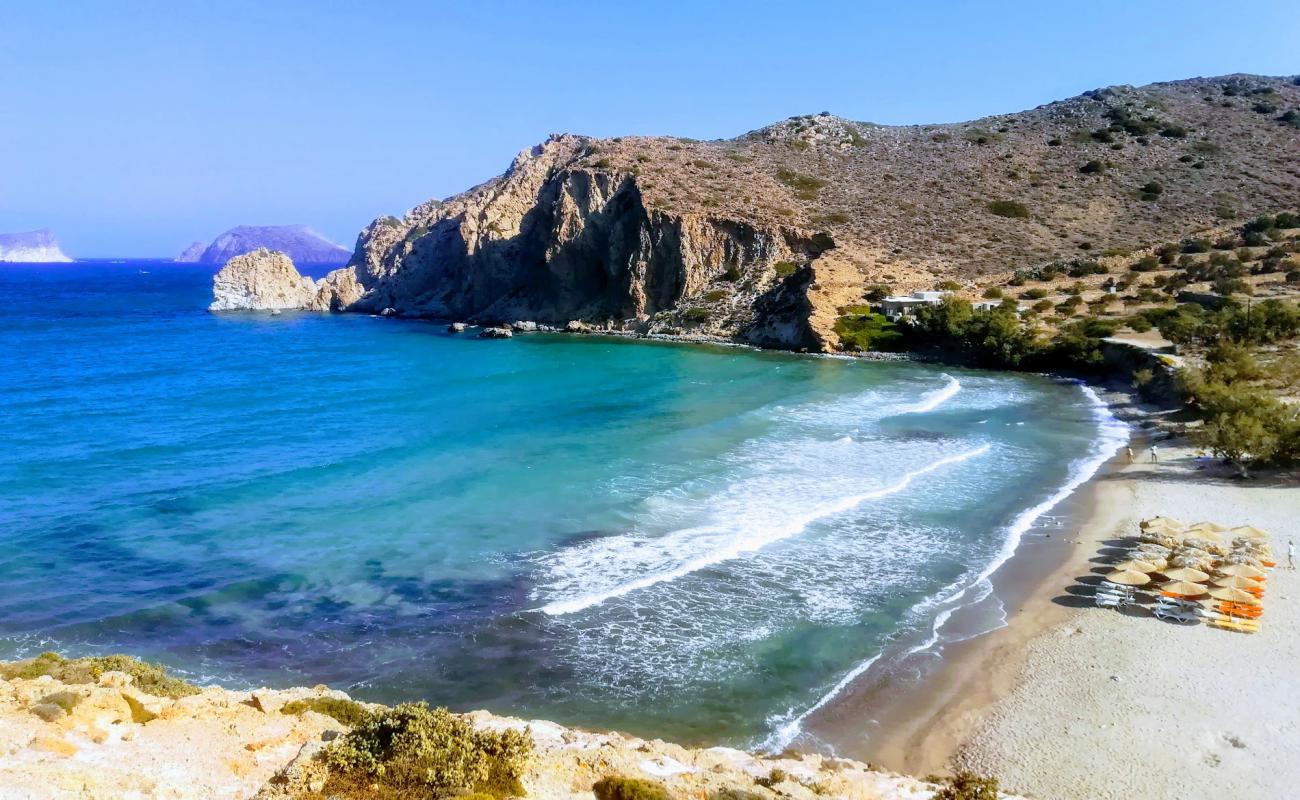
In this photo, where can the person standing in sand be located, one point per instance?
(1290, 554)
(1154, 458)
(1129, 450)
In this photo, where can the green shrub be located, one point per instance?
(1008, 208)
(992, 293)
(715, 295)
(784, 268)
(805, 186)
(414, 749)
(735, 794)
(696, 315)
(1174, 132)
(877, 292)
(1139, 324)
(617, 787)
(968, 786)
(149, 678)
(864, 331)
(1093, 167)
(1151, 190)
(947, 286)
(732, 274)
(776, 776)
(1036, 293)
(348, 712)
(1041, 306)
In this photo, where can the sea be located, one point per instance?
(701, 543)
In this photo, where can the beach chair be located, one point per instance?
(1108, 601)
(1238, 625)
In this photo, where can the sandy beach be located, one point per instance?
(1073, 701)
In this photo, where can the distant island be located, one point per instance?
(32, 247)
(299, 242)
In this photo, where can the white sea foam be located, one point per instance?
(934, 399)
(1112, 435)
(756, 539)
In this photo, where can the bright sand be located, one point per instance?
(1072, 701)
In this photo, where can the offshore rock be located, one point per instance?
(32, 247)
(267, 281)
(495, 333)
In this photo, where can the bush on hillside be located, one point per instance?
(348, 712)
(864, 331)
(1008, 208)
(618, 787)
(1093, 167)
(968, 786)
(413, 750)
(149, 678)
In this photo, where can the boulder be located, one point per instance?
(523, 326)
(456, 327)
(495, 333)
(575, 326)
(261, 281)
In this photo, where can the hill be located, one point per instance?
(299, 242)
(31, 247)
(766, 237)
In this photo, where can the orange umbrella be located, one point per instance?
(1237, 582)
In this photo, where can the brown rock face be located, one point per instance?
(268, 281)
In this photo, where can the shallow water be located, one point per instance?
(691, 542)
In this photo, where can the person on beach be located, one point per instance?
(1129, 450)
(1154, 457)
(1290, 554)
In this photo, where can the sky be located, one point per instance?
(136, 128)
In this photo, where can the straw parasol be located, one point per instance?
(1137, 565)
(1212, 527)
(1186, 574)
(1237, 582)
(1128, 577)
(1250, 532)
(1183, 589)
(1234, 595)
(1242, 570)
(1162, 522)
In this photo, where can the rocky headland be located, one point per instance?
(767, 237)
(116, 727)
(299, 242)
(267, 281)
(33, 247)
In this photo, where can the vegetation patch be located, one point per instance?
(618, 787)
(862, 330)
(784, 268)
(348, 712)
(1008, 208)
(967, 786)
(414, 751)
(805, 187)
(150, 678)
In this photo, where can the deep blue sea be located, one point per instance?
(683, 541)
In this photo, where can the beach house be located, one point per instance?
(895, 308)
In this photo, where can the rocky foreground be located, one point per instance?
(117, 736)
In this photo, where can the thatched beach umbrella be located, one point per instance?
(1183, 589)
(1237, 582)
(1136, 566)
(1250, 532)
(1242, 571)
(1186, 574)
(1212, 527)
(1129, 577)
(1162, 522)
(1232, 595)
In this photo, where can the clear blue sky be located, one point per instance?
(134, 128)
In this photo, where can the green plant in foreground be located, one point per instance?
(348, 712)
(412, 750)
(150, 678)
(617, 787)
(968, 786)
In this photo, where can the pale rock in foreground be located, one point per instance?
(119, 742)
(268, 281)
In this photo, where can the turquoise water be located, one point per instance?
(695, 542)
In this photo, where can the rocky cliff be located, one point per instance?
(299, 242)
(34, 247)
(263, 280)
(108, 736)
(764, 238)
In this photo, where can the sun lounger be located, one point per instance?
(1241, 626)
(1164, 613)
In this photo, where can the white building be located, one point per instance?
(895, 308)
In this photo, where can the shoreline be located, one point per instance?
(904, 704)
